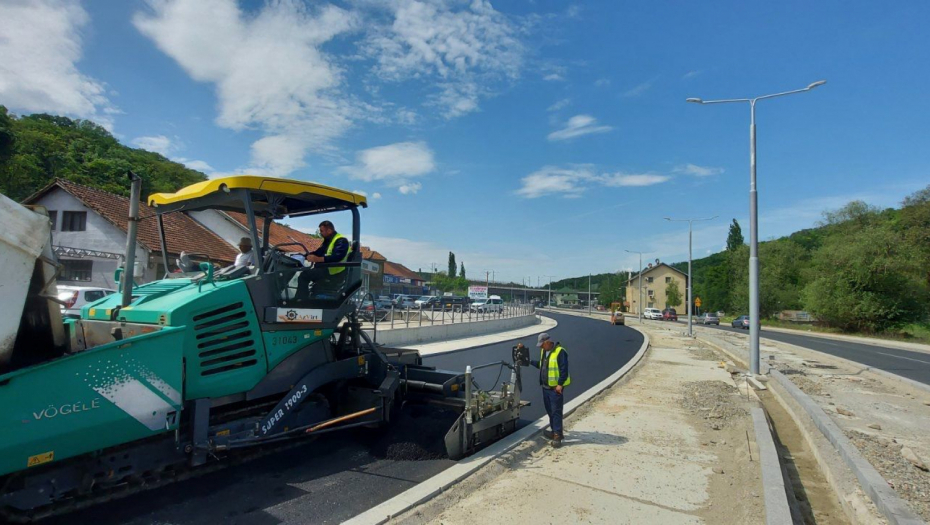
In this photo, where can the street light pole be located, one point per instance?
(640, 277)
(589, 294)
(754, 321)
(690, 282)
(549, 304)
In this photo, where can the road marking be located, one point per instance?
(908, 358)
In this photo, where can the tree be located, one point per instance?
(866, 282)
(462, 270)
(735, 238)
(451, 264)
(673, 294)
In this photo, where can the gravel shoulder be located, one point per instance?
(887, 420)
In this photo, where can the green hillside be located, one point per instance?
(35, 149)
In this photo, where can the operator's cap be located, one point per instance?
(543, 337)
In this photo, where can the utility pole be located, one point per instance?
(550, 290)
(690, 282)
(639, 308)
(589, 294)
(754, 321)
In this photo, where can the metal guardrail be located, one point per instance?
(417, 317)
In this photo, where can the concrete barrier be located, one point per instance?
(444, 332)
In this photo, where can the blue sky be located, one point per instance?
(530, 138)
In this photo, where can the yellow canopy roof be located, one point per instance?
(312, 194)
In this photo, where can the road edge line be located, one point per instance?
(436, 485)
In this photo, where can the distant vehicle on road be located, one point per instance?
(669, 314)
(383, 301)
(422, 301)
(449, 302)
(652, 313)
(404, 301)
(75, 297)
(617, 318)
(741, 322)
(708, 319)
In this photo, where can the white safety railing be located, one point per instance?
(407, 317)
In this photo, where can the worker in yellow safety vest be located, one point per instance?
(553, 377)
(335, 249)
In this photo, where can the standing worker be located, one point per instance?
(554, 377)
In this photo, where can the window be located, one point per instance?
(668, 280)
(53, 218)
(94, 295)
(76, 270)
(73, 221)
(649, 279)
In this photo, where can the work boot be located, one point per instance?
(548, 434)
(556, 440)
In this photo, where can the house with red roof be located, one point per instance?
(89, 235)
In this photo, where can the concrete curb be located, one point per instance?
(777, 509)
(441, 482)
(886, 500)
(895, 510)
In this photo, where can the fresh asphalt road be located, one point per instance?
(338, 476)
(905, 363)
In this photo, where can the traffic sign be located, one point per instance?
(697, 302)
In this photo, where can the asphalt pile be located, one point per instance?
(417, 435)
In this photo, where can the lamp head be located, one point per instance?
(695, 100)
(815, 84)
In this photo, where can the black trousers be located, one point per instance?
(554, 403)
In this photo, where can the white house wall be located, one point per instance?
(218, 223)
(99, 235)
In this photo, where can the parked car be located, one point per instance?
(75, 297)
(669, 314)
(422, 301)
(741, 322)
(652, 313)
(491, 304)
(708, 318)
(405, 301)
(369, 311)
(450, 302)
(384, 302)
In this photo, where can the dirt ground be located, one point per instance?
(880, 415)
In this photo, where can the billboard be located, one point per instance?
(477, 292)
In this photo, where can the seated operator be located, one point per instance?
(246, 255)
(335, 249)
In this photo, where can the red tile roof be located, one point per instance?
(372, 255)
(280, 233)
(399, 270)
(182, 232)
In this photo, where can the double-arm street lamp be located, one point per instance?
(690, 284)
(754, 218)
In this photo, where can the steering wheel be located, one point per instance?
(276, 257)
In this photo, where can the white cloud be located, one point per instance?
(462, 45)
(690, 74)
(551, 179)
(620, 179)
(577, 126)
(158, 143)
(559, 105)
(572, 181)
(375, 195)
(639, 89)
(553, 77)
(409, 188)
(268, 70)
(394, 165)
(40, 42)
(198, 165)
(602, 82)
(697, 171)
(167, 147)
